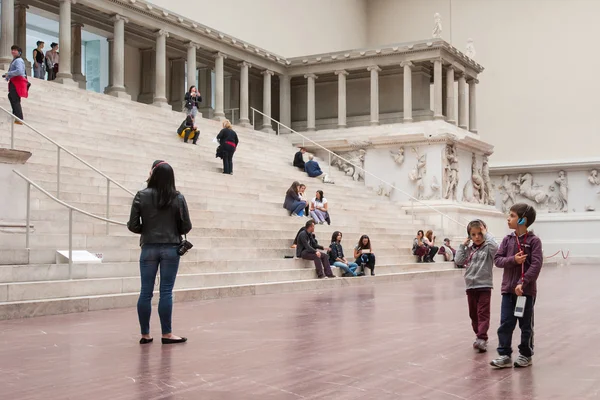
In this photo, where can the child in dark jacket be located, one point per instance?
(521, 257)
(478, 259)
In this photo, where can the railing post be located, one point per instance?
(28, 215)
(70, 243)
(233, 116)
(278, 128)
(12, 133)
(329, 170)
(107, 205)
(58, 173)
(253, 119)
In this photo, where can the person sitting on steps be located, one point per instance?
(429, 240)
(337, 259)
(419, 247)
(309, 249)
(292, 201)
(188, 130)
(313, 170)
(364, 255)
(299, 159)
(301, 190)
(318, 209)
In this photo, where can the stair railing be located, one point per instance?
(71, 208)
(333, 156)
(59, 149)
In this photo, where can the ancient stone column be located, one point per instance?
(177, 84)
(160, 84)
(76, 54)
(374, 69)
(462, 101)
(267, 127)
(450, 118)
(310, 103)
(191, 65)
(64, 75)
(244, 108)
(285, 102)
(407, 75)
(473, 105)
(437, 89)
(8, 32)
(219, 86)
(341, 74)
(21, 32)
(117, 61)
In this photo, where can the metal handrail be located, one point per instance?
(304, 138)
(233, 110)
(71, 208)
(60, 148)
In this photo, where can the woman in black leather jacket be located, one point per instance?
(160, 214)
(228, 142)
(192, 101)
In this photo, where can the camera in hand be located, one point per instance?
(184, 246)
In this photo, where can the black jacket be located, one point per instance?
(299, 161)
(307, 242)
(190, 103)
(336, 252)
(159, 226)
(227, 135)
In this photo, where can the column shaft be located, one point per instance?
(437, 89)
(267, 100)
(473, 105)
(342, 98)
(285, 103)
(450, 112)
(64, 37)
(160, 84)
(462, 102)
(310, 102)
(244, 109)
(191, 66)
(374, 94)
(8, 32)
(407, 107)
(219, 86)
(117, 61)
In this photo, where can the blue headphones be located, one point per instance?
(522, 220)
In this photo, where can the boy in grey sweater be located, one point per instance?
(478, 259)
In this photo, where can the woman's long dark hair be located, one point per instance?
(162, 180)
(294, 188)
(321, 195)
(191, 87)
(335, 235)
(360, 242)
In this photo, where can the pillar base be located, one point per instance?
(219, 116)
(374, 123)
(407, 120)
(344, 126)
(462, 126)
(451, 121)
(81, 81)
(245, 122)
(438, 117)
(473, 131)
(311, 129)
(118, 92)
(161, 103)
(267, 129)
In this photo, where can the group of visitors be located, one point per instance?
(45, 63)
(298, 206)
(425, 249)
(311, 167)
(308, 248)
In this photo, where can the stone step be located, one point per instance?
(26, 309)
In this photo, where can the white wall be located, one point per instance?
(537, 96)
(288, 28)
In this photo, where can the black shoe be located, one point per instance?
(144, 340)
(173, 341)
(372, 273)
(360, 274)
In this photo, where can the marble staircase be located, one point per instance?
(241, 232)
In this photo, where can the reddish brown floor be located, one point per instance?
(404, 341)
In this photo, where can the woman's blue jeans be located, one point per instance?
(153, 256)
(298, 207)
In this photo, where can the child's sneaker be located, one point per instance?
(480, 345)
(502, 362)
(523, 361)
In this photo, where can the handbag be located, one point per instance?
(184, 245)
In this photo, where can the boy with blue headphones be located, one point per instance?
(520, 255)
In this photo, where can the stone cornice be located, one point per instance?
(544, 166)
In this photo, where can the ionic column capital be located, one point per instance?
(76, 24)
(192, 45)
(341, 72)
(267, 72)
(118, 17)
(472, 81)
(162, 32)
(21, 5)
(222, 55)
(408, 64)
(313, 76)
(245, 64)
(373, 68)
(69, 1)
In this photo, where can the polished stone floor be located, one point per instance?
(410, 340)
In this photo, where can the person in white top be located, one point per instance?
(318, 208)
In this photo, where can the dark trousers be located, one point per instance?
(368, 260)
(15, 100)
(152, 257)
(433, 250)
(320, 263)
(508, 322)
(188, 133)
(479, 311)
(228, 158)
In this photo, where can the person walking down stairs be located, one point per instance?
(18, 86)
(228, 142)
(160, 214)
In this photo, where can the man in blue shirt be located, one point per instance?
(313, 170)
(17, 82)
